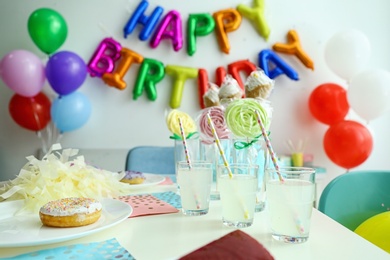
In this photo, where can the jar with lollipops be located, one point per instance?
(247, 144)
(207, 139)
(194, 148)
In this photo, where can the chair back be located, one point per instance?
(353, 197)
(151, 159)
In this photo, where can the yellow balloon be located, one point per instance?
(377, 230)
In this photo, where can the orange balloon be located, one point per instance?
(226, 21)
(293, 46)
(115, 79)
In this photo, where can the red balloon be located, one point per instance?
(32, 113)
(348, 143)
(328, 103)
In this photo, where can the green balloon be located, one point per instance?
(48, 30)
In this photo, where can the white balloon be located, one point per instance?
(347, 52)
(369, 92)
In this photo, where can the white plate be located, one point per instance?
(150, 180)
(27, 230)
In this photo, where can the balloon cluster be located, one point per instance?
(348, 143)
(25, 74)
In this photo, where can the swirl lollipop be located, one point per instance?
(188, 123)
(218, 118)
(241, 117)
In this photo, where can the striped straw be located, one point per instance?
(269, 146)
(183, 136)
(225, 162)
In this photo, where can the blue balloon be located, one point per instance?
(66, 72)
(266, 56)
(70, 112)
(139, 17)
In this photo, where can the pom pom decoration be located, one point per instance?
(241, 118)
(188, 124)
(57, 176)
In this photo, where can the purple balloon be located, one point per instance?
(66, 72)
(23, 72)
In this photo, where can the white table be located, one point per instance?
(170, 236)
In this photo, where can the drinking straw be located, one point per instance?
(271, 151)
(221, 152)
(183, 137)
(225, 162)
(269, 145)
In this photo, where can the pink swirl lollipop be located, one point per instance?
(218, 118)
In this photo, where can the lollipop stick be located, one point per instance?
(269, 146)
(225, 162)
(183, 137)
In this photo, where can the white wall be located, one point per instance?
(119, 122)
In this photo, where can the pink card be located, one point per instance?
(168, 181)
(147, 204)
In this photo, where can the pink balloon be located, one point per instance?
(23, 72)
(103, 60)
(169, 27)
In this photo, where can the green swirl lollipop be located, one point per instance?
(241, 118)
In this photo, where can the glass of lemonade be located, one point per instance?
(290, 202)
(194, 186)
(237, 184)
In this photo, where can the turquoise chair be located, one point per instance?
(151, 159)
(354, 197)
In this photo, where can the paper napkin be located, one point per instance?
(109, 249)
(152, 204)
